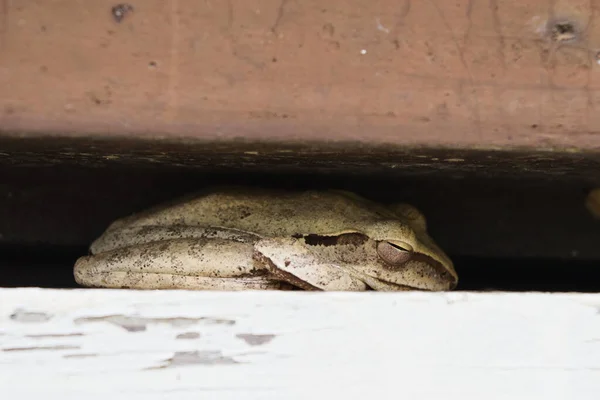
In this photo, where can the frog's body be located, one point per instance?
(241, 238)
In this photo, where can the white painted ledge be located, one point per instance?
(111, 344)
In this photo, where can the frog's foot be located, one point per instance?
(197, 264)
(290, 260)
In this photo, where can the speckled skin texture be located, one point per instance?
(242, 238)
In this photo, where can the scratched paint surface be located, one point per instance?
(96, 344)
(485, 73)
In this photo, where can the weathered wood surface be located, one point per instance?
(97, 344)
(501, 73)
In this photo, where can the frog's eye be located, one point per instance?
(396, 253)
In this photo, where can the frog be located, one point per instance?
(247, 238)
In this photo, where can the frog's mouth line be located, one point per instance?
(400, 288)
(437, 272)
(370, 281)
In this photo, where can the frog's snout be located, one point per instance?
(433, 275)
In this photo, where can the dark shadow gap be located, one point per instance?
(521, 275)
(51, 267)
(512, 221)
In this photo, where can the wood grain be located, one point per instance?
(463, 73)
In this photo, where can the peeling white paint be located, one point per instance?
(298, 345)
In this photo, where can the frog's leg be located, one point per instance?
(124, 237)
(290, 260)
(199, 264)
(410, 214)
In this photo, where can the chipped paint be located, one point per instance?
(29, 316)
(255, 340)
(327, 339)
(81, 355)
(54, 335)
(188, 335)
(206, 357)
(139, 324)
(43, 348)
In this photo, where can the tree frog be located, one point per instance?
(247, 238)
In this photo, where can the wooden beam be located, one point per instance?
(500, 74)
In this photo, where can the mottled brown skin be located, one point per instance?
(243, 238)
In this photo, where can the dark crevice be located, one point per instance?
(542, 275)
(39, 266)
(51, 267)
(513, 221)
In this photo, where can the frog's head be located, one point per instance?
(407, 256)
